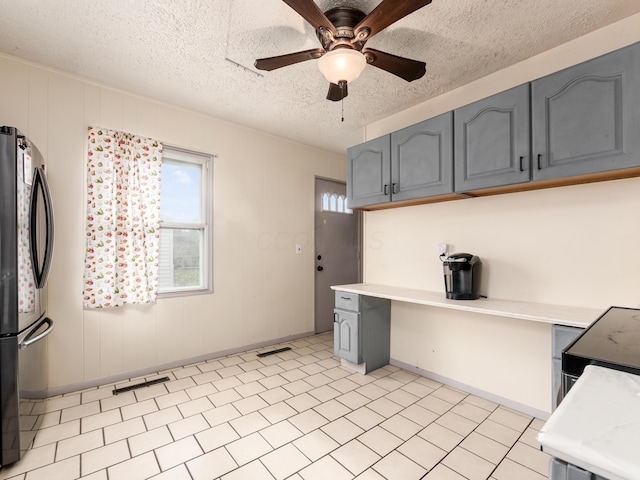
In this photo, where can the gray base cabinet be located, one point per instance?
(492, 141)
(560, 470)
(585, 118)
(361, 329)
(561, 337)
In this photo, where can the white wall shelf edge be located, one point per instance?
(537, 312)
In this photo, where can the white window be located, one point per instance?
(185, 223)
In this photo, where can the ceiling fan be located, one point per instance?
(343, 32)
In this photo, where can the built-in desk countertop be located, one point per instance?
(536, 312)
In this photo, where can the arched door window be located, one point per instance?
(332, 202)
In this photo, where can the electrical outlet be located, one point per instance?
(443, 248)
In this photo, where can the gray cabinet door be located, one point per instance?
(422, 159)
(492, 141)
(585, 118)
(369, 173)
(561, 337)
(346, 335)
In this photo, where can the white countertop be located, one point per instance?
(597, 425)
(537, 312)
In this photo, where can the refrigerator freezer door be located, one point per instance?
(32, 357)
(9, 403)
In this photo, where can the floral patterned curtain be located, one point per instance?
(123, 219)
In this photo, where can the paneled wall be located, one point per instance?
(263, 189)
(567, 246)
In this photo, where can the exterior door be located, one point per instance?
(337, 248)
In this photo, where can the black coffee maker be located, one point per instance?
(462, 273)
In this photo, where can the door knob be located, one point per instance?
(320, 268)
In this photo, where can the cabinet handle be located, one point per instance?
(346, 298)
(539, 163)
(335, 318)
(521, 164)
(394, 188)
(386, 189)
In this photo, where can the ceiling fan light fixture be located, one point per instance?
(342, 65)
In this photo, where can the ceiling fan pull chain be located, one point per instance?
(343, 86)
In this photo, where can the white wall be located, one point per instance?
(263, 187)
(568, 246)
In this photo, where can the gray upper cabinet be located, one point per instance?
(492, 141)
(422, 159)
(586, 119)
(369, 173)
(412, 163)
(581, 124)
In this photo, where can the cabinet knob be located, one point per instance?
(320, 268)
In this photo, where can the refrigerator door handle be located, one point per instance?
(31, 338)
(40, 183)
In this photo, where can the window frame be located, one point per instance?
(177, 156)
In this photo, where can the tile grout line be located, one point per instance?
(511, 448)
(458, 444)
(404, 441)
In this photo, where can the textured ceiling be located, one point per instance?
(199, 54)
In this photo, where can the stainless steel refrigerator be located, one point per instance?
(26, 246)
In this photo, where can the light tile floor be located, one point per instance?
(295, 415)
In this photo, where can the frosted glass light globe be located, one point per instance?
(342, 65)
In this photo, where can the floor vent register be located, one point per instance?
(117, 391)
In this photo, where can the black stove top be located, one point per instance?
(613, 340)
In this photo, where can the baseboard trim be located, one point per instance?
(520, 407)
(124, 376)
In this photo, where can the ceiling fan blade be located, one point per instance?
(308, 10)
(271, 63)
(404, 68)
(337, 92)
(386, 13)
